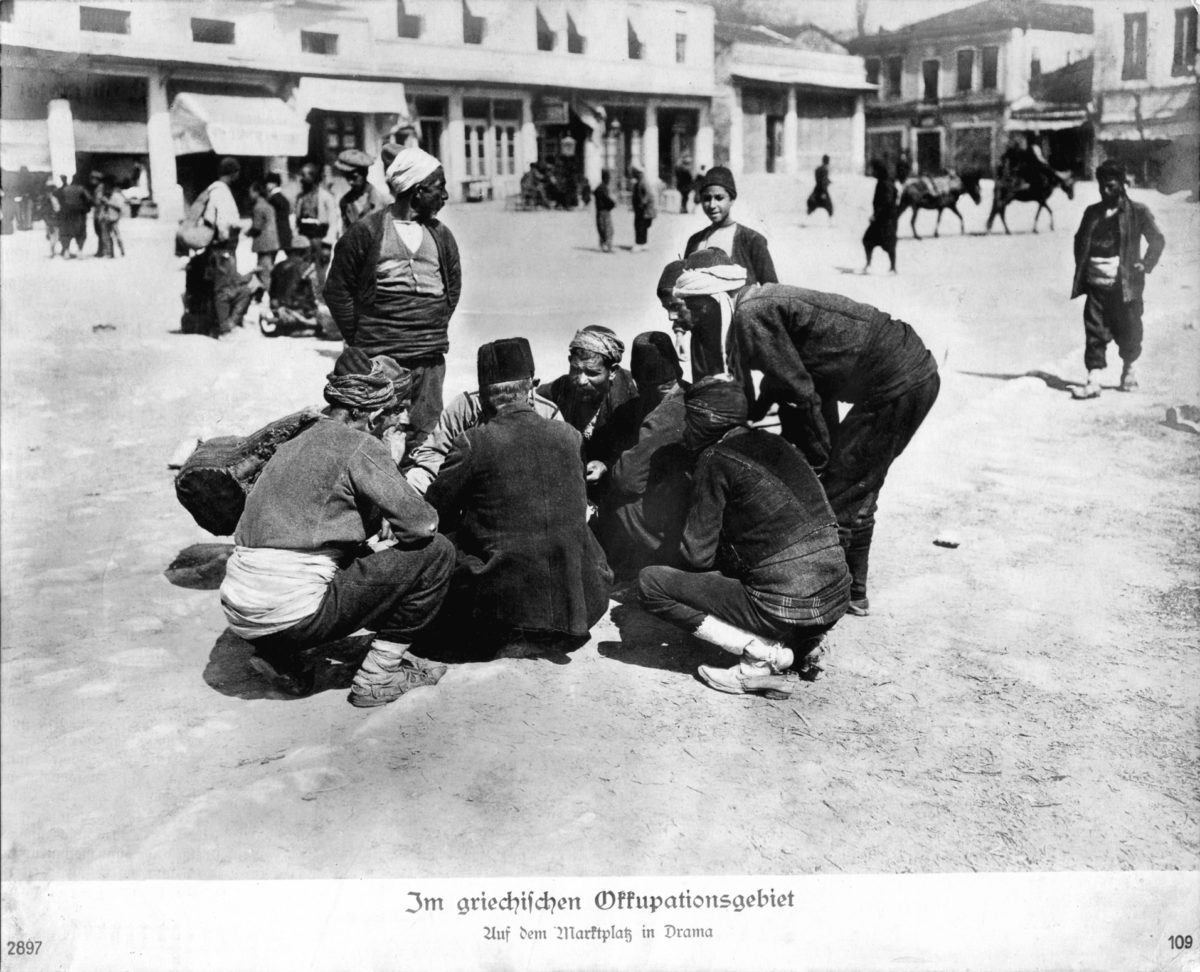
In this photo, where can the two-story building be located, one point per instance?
(1147, 90)
(782, 102)
(952, 88)
(163, 88)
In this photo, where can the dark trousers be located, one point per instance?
(864, 445)
(1108, 317)
(819, 199)
(641, 230)
(393, 592)
(604, 226)
(429, 374)
(685, 597)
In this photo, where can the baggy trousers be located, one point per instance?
(1108, 317)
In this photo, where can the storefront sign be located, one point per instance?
(550, 112)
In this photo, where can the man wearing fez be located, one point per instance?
(465, 411)
(395, 281)
(512, 490)
(301, 574)
(765, 576)
(814, 351)
(362, 198)
(642, 516)
(1111, 269)
(598, 398)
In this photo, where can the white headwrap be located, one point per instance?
(717, 282)
(706, 281)
(409, 168)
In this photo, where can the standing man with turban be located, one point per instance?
(301, 574)
(815, 350)
(396, 279)
(765, 577)
(527, 562)
(362, 198)
(744, 246)
(598, 398)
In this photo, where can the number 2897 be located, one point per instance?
(27, 947)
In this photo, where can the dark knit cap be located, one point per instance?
(229, 166)
(352, 361)
(401, 377)
(1109, 169)
(714, 406)
(653, 360)
(671, 272)
(710, 256)
(719, 176)
(509, 359)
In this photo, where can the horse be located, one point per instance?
(1038, 191)
(938, 192)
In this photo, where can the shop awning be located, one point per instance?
(1159, 114)
(117, 138)
(24, 143)
(1046, 122)
(350, 95)
(235, 125)
(801, 77)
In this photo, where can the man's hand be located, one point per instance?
(1139, 266)
(594, 471)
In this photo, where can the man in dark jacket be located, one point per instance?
(302, 575)
(1111, 269)
(513, 493)
(283, 209)
(642, 517)
(815, 350)
(766, 575)
(395, 281)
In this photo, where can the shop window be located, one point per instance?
(473, 27)
(895, 76)
(506, 150)
(1134, 68)
(931, 73)
(1184, 60)
(637, 50)
(576, 42)
(965, 69)
(681, 48)
(407, 25)
(474, 144)
(314, 42)
(990, 75)
(212, 31)
(342, 131)
(546, 38)
(872, 70)
(104, 21)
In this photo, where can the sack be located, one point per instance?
(193, 233)
(212, 484)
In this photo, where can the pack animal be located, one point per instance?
(1038, 191)
(938, 192)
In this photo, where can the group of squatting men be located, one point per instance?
(512, 517)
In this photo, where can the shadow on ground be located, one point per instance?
(650, 643)
(1052, 381)
(200, 567)
(229, 672)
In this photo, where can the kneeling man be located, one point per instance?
(513, 491)
(766, 575)
(301, 574)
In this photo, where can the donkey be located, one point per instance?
(1038, 192)
(938, 192)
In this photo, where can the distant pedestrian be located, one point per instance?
(362, 199)
(819, 198)
(283, 210)
(903, 166)
(645, 208)
(604, 207)
(76, 202)
(683, 182)
(265, 235)
(51, 208)
(885, 213)
(111, 206)
(744, 246)
(317, 217)
(1110, 269)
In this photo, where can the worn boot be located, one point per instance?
(750, 679)
(388, 672)
(1089, 390)
(754, 650)
(1129, 380)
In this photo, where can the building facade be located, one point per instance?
(953, 88)
(1147, 91)
(783, 102)
(158, 90)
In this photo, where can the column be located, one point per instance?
(736, 162)
(60, 135)
(858, 136)
(791, 135)
(164, 180)
(455, 161)
(650, 142)
(528, 150)
(704, 140)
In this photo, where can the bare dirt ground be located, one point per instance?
(1024, 702)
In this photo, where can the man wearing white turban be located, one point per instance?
(395, 281)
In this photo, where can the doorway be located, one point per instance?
(929, 153)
